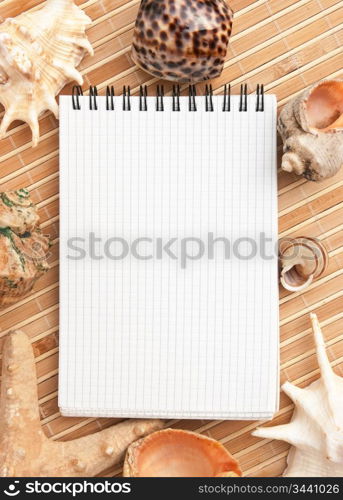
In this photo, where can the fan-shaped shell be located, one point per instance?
(39, 51)
(178, 453)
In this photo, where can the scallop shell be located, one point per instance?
(311, 127)
(39, 51)
(182, 40)
(316, 429)
(302, 260)
(178, 453)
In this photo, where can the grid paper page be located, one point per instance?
(162, 312)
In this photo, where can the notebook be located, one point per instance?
(168, 261)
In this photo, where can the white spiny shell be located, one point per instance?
(316, 429)
(39, 51)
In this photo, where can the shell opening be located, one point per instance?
(177, 453)
(292, 279)
(302, 260)
(325, 106)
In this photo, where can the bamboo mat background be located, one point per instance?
(285, 44)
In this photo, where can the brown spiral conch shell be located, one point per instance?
(182, 40)
(178, 453)
(39, 52)
(311, 127)
(302, 260)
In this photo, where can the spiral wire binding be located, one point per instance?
(243, 100)
(176, 98)
(110, 98)
(260, 98)
(126, 98)
(93, 94)
(192, 94)
(176, 106)
(227, 98)
(209, 98)
(159, 98)
(76, 93)
(143, 104)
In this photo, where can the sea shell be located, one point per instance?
(25, 450)
(178, 453)
(39, 51)
(311, 127)
(316, 429)
(182, 40)
(23, 248)
(302, 260)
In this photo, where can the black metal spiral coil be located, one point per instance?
(93, 94)
(192, 92)
(76, 93)
(143, 103)
(243, 98)
(160, 98)
(176, 98)
(126, 98)
(209, 98)
(109, 98)
(227, 98)
(260, 98)
(176, 101)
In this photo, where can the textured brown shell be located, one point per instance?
(182, 40)
(23, 248)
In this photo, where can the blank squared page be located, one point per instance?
(168, 279)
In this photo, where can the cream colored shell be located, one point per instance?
(311, 127)
(302, 260)
(39, 51)
(24, 448)
(316, 429)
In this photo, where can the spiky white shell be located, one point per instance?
(39, 52)
(316, 429)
